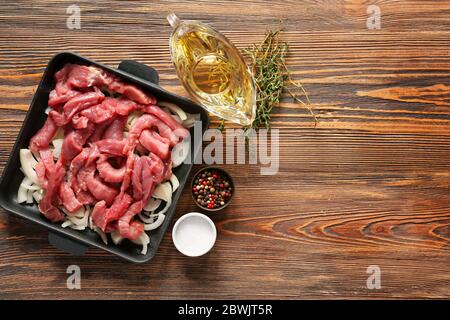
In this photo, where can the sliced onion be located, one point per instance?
(38, 195)
(163, 191)
(83, 221)
(102, 235)
(174, 108)
(28, 162)
(29, 196)
(66, 223)
(147, 219)
(152, 204)
(174, 181)
(156, 224)
(77, 227)
(177, 118)
(132, 117)
(28, 184)
(143, 240)
(21, 195)
(166, 207)
(57, 145)
(191, 118)
(180, 152)
(32, 187)
(77, 214)
(116, 237)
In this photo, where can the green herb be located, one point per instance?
(272, 76)
(221, 125)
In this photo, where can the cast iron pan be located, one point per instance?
(73, 241)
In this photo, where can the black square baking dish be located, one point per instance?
(74, 241)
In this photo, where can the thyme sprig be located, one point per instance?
(272, 77)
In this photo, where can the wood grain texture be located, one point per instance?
(369, 186)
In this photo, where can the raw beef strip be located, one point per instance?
(47, 204)
(40, 172)
(107, 172)
(68, 198)
(85, 76)
(101, 112)
(130, 91)
(79, 122)
(180, 131)
(100, 190)
(76, 105)
(147, 121)
(62, 92)
(44, 136)
(45, 167)
(125, 106)
(100, 129)
(118, 208)
(131, 229)
(74, 141)
(136, 179)
(154, 143)
(157, 168)
(115, 130)
(128, 171)
(111, 146)
(76, 165)
(98, 213)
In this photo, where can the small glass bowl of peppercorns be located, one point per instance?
(212, 188)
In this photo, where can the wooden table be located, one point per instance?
(369, 186)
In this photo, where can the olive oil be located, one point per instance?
(213, 71)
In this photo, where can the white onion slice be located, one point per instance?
(163, 191)
(166, 207)
(38, 195)
(191, 118)
(28, 184)
(76, 227)
(66, 223)
(180, 152)
(57, 145)
(102, 235)
(83, 221)
(177, 118)
(143, 240)
(21, 195)
(174, 181)
(132, 117)
(158, 222)
(22, 192)
(116, 237)
(152, 204)
(174, 108)
(29, 196)
(147, 219)
(28, 162)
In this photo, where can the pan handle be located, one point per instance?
(140, 70)
(66, 244)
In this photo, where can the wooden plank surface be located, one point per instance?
(369, 186)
